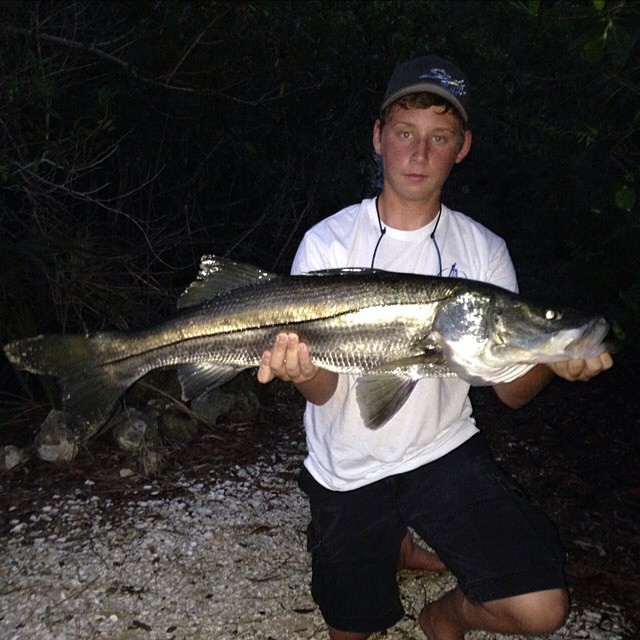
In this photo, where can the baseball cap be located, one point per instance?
(430, 74)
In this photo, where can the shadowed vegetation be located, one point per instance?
(138, 136)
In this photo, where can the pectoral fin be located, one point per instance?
(380, 397)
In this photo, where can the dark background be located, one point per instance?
(136, 136)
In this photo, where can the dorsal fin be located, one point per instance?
(217, 275)
(342, 271)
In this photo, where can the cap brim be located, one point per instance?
(428, 87)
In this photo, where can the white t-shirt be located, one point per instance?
(343, 454)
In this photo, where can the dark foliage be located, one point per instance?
(137, 136)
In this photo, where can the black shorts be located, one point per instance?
(494, 541)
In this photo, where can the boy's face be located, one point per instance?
(419, 148)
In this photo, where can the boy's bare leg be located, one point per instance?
(334, 634)
(413, 557)
(535, 613)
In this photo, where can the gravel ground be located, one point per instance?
(216, 557)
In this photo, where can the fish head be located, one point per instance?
(521, 331)
(490, 335)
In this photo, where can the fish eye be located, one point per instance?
(551, 314)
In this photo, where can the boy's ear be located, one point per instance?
(465, 148)
(377, 136)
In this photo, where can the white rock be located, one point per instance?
(11, 456)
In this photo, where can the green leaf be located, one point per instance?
(625, 197)
(618, 44)
(533, 7)
(593, 50)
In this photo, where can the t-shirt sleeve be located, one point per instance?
(500, 269)
(310, 256)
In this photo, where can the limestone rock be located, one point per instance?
(11, 456)
(57, 440)
(133, 430)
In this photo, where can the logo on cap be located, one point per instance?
(446, 81)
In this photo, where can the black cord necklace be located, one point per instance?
(383, 230)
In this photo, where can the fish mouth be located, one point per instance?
(589, 341)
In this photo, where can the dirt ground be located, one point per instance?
(575, 449)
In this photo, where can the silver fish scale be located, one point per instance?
(352, 324)
(339, 344)
(298, 299)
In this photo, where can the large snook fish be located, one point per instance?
(390, 329)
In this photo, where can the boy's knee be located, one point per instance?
(553, 609)
(537, 613)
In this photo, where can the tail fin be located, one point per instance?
(90, 369)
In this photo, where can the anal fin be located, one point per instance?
(197, 378)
